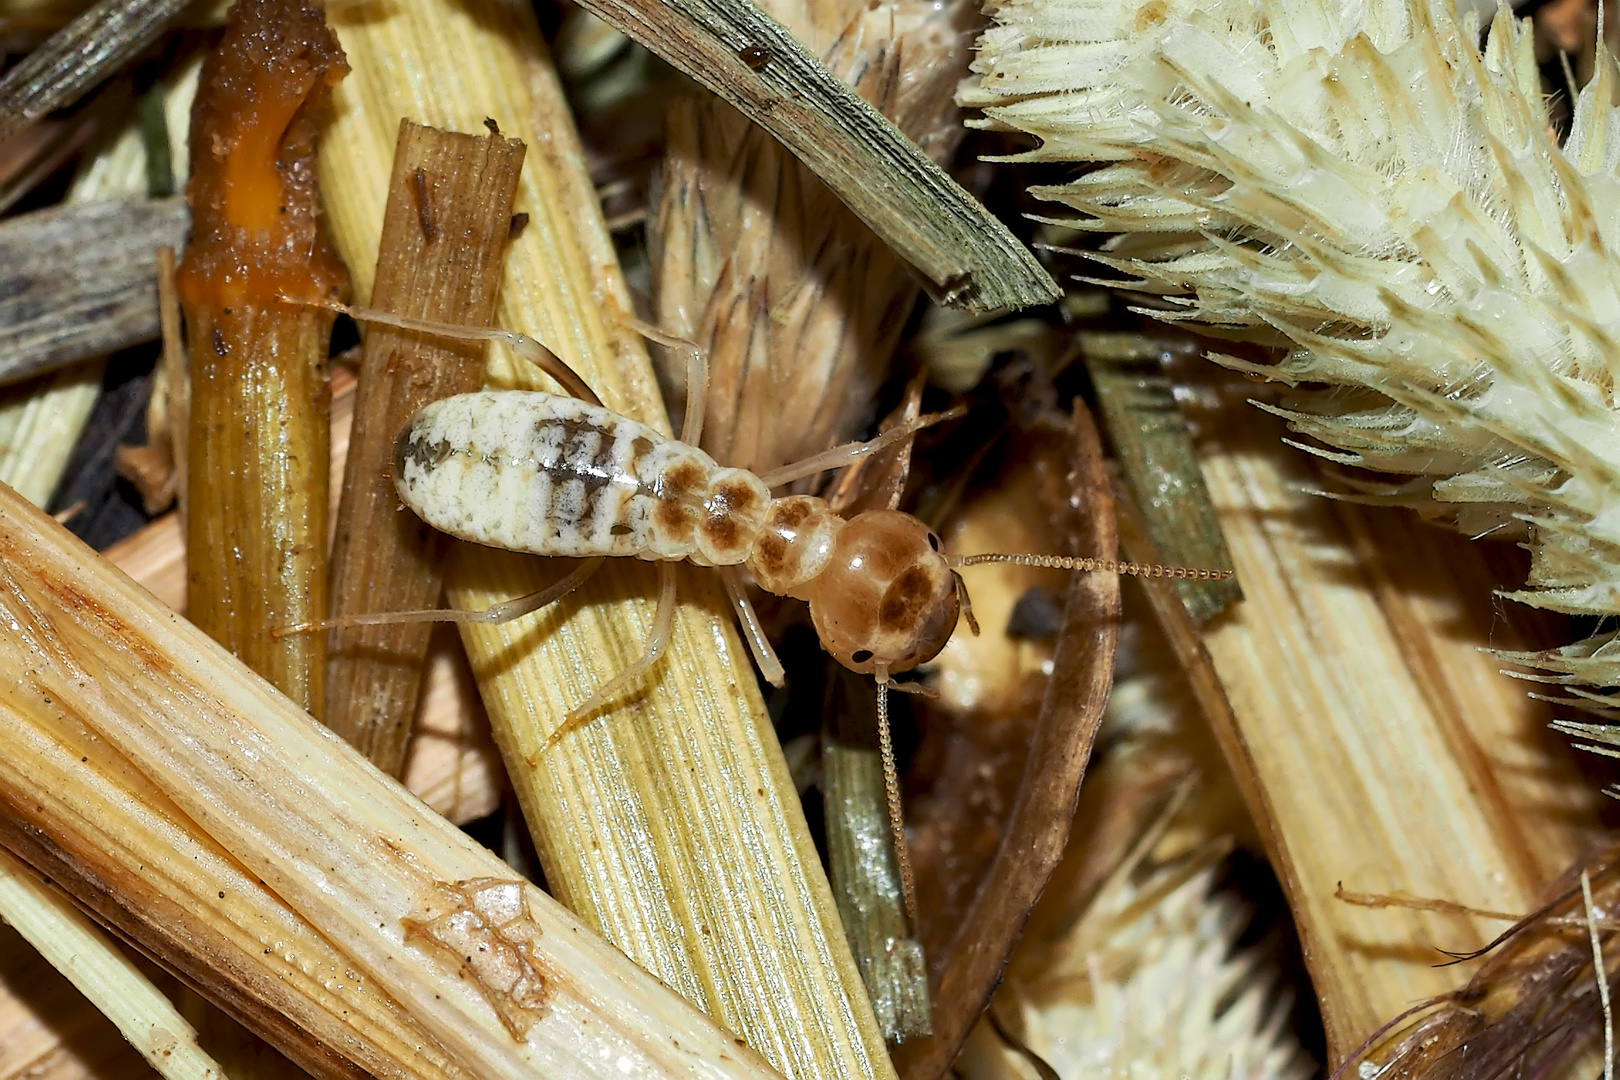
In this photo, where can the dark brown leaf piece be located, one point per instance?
(1533, 1003)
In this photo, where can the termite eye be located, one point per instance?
(862, 657)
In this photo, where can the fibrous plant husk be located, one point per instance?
(1366, 188)
(182, 799)
(1019, 796)
(791, 297)
(451, 763)
(441, 255)
(1536, 1003)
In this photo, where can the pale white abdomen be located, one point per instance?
(553, 475)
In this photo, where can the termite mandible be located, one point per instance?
(564, 476)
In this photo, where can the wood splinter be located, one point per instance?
(444, 186)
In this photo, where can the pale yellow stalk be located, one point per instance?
(78, 948)
(452, 764)
(669, 822)
(48, 1031)
(1377, 745)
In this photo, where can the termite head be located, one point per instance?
(886, 599)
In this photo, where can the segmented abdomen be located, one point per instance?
(537, 472)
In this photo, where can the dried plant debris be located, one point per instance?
(1147, 982)
(1154, 449)
(1534, 1006)
(256, 492)
(444, 235)
(1363, 186)
(79, 56)
(757, 261)
(1129, 965)
(109, 978)
(340, 905)
(971, 937)
(966, 257)
(80, 281)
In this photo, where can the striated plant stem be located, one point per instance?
(1371, 736)
(78, 948)
(40, 420)
(865, 872)
(669, 822)
(966, 257)
(79, 56)
(187, 802)
(256, 528)
(451, 763)
(79, 281)
(449, 215)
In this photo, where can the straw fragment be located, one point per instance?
(1371, 735)
(79, 280)
(78, 56)
(964, 255)
(256, 493)
(77, 947)
(670, 821)
(449, 215)
(185, 800)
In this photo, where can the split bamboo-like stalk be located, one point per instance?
(449, 216)
(1378, 747)
(670, 822)
(256, 524)
(185, 801)
(78, 948)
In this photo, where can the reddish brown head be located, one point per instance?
(887, 598)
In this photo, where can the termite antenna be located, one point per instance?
(1107, 566)
(891, 786)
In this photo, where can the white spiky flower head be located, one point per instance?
(1146, 986)
(1357, 181)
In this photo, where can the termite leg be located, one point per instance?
(697, 376)
(849, 453)
(758, 644)
(515, 608)
(663, 620)
(522, 344)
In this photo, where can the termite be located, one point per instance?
(565, 476)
